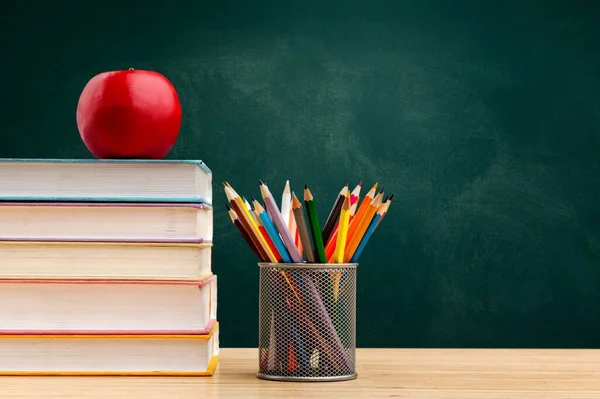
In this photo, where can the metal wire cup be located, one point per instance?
(307, 321)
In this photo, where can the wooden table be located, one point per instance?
(383, 373)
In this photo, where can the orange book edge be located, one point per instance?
(210, 370)
(100, 279)
(107, 243)
(212, 364)
(104, 281)
(124, 335)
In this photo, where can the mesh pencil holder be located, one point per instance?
(307, 321)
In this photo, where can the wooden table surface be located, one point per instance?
(382, 373)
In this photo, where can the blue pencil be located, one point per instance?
(372, 226)
(270, 227)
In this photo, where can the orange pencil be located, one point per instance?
(362, 227)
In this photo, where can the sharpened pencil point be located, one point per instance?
(306, 186)
(260, 182)
(228, 207)
(360, 183)
(390, 197)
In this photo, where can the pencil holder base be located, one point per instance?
(307, 322)
(306, 379)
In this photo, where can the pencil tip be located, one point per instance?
(306, 186)
(253, 199)
(260, 182)
(360, 183)
(228, 207)
(390, 197)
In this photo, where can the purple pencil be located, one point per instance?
(277, 219)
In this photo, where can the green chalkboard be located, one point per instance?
(482, 117)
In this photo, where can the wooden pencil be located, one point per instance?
(277, 219)
(354, 197)
(388, 203)
(334, 214)
(315, 229)
(286, 198)
(353, 242)
(271, 231)
(294, 230)
(248, 222)
(343, 231)
(307, 245)
(243, 232)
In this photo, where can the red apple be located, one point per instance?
(129, 114)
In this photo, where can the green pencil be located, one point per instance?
(315, 228)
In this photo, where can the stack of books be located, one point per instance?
(105, 268)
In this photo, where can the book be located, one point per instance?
(73, 221)
(105, 180)
(104, 260)
(107, 307)
(182, 355)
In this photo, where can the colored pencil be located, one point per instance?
(248, 222)
(307, 245)
(332, 241)
(334, 214)
(294, 230)
(372, 226)
(286, 199)
(313, 219)
(266, 235)
(248, 207)
(343, 231)
(362, 228)
(362, 209)
(243, 232)
(388, 203)
(277, 219)
(262, 215)
(354, 197)
(340, 245)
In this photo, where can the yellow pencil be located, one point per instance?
(342, 231)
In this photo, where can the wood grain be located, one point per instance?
(383, 373)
